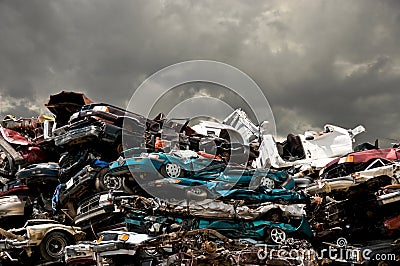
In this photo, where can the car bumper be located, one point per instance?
(79, 254)
(96, 212)
(115, 248)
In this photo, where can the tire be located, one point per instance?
(171, 170)
(129, 185)
(53, 245)
(149, 253)
(105, 181)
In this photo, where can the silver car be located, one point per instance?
(117, 245)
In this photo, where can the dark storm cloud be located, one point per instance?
(316, 61)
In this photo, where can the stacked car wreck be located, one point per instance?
(96, 184)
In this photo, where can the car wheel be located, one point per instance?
(53, 245)
(106, 181)
(171, 170)
(129, 185)
(151, 252)
(70, 163)
(277, 235)
(267, 182)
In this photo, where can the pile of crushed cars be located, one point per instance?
(95, 184)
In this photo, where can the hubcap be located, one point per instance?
(267, 182)
(112, 182)
(173, 170)
(55, 247)
(278, 235)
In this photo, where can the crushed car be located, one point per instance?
(190, 164)
(48, 237)
(175, 164)
(359, 161)
(99, 185)
(311, 148)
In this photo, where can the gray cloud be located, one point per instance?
(316, 61)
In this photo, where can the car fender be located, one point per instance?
(37, 233)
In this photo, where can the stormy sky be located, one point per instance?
(316, 61)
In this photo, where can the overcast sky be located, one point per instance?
(316, 61)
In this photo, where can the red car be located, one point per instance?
(359, 161)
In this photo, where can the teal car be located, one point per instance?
(259, 230)
(189, 164)
(179, 163)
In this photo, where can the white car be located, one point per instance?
(118, 247)
(312, 148)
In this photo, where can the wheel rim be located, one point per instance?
(267, 182)
(278, 235)
(151, 252)
(55, 246)
(111, 182)
(172, 170)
